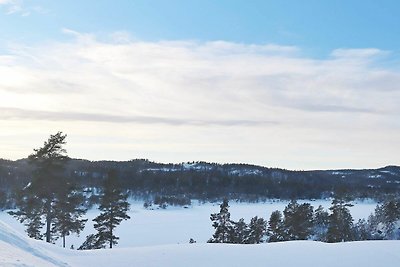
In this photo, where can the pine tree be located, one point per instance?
(321, 223)
(114, 207)
(361, 231)
(69, 210)
(257, 229)
(384, 223)
(30, 214)
(275, 230)
(340, 222)
(240, 232)
(38, 198)
(92, 242)
(222, 224)
(391, 217)
(298, 220)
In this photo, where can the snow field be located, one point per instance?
(17, 250)
(160, 238)
(176, 225)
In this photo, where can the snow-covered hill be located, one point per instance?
(17, 250)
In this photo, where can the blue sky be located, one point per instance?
(292, 84)
(316, 26)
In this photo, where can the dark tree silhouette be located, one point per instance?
(222, 224)
(114, 207)
(38, 199)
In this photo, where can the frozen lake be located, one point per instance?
(176, 225)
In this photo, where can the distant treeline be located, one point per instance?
(304, 222)
(209, 181)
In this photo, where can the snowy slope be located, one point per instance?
(16, 250)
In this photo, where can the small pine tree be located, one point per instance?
(69, 210)
(384, 223)
(375, 226)
(257, 230)
(240, 232)
(361, 231)
(92, 242)
(298, 220)
(114, 207)
(275, 230)
(222, 224)
(340, 222)
(30, 214)
(391, 217)
(321, 223)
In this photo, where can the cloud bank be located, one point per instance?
(269, 94)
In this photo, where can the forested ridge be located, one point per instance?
(209, 181)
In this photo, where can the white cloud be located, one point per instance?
(13, 6)
(19, 7)
(358, 53)
(217, 101)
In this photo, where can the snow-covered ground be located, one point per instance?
(160, 238)
(177, 225)
(17, 250)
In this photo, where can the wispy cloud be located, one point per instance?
(24, 114)
(273, 95)
(19, 7)
(196, 77)
(358, 53)
(13, 6)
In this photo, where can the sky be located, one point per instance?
(291, 84)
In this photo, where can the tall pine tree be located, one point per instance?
(69, 211)
(114, 207)
(38, 199)
(321, 223)
(298, 220)
(340, 227)
(257, 229)
(240, 232)
(275, 230)
(391, 215)
(222, 224)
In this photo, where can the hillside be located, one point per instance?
(209, 181)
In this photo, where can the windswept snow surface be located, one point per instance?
(16, 250)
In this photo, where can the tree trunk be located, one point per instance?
(48, 227)
(111, 238)
(63, 241)
(48, 221)
(111, 227)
